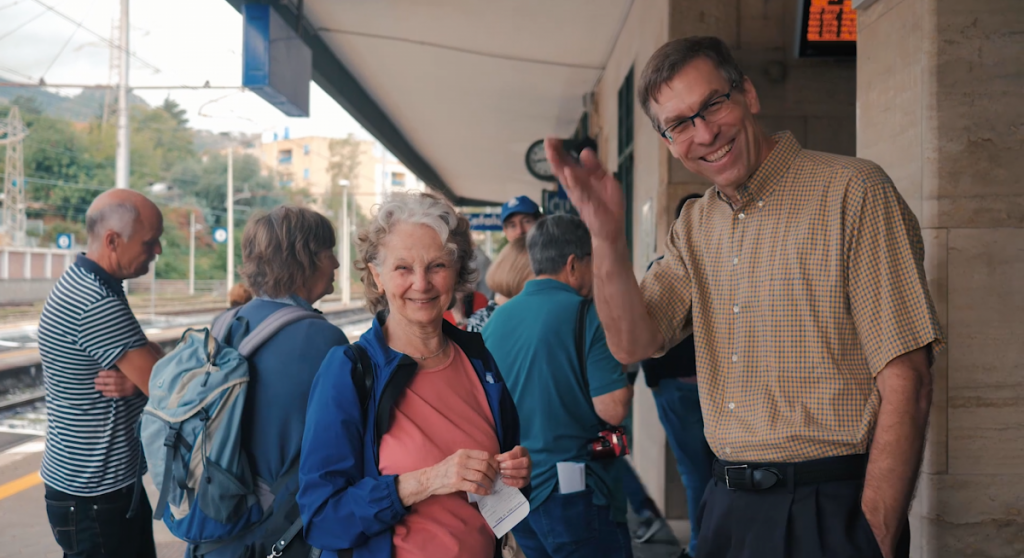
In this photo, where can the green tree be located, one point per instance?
(172, 108)
(60, 175)
(205, 180)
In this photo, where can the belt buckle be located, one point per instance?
(728, 484)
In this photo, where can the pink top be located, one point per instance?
(443, 410)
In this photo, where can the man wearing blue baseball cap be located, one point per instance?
(518, 216)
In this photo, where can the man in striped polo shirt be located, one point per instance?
(96, 367)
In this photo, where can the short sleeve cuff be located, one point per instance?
(111, 357)
(933, 340)
(605, 388)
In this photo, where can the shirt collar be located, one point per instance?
(762, 183)
(538, 285)
(292, 300)
(112, 283)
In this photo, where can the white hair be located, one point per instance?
(421, 209)
(417, 209)
(117, 217)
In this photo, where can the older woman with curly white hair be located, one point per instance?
(387, 474)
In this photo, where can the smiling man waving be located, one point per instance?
(802, 277)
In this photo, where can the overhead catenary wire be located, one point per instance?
(12, 4)
(107, 86)
(61, 51)
(107, 41)
(22, 25)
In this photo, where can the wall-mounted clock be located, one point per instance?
(537, 162)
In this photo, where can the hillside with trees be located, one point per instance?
(70, 158)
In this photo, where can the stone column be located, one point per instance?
(939, 105)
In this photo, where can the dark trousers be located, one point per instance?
(98, 526)
(636, 494)
(572, 526)
(679, 410)
(811, 521)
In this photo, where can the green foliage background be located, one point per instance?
(69, 160)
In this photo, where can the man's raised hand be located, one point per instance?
(593, 191)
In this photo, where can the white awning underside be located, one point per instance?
(472, 83)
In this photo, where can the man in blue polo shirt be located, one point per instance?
(96, 368)
(532, 338)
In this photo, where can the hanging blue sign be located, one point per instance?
(484, 221)
(220, 235)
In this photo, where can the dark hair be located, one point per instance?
(555, 238)
(682, 202)
(673, 56)
(282, 249)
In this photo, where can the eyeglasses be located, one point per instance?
(713, 111)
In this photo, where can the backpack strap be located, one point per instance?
(362, 379)
(581, 342)
(273, 324)
(222, 323)
(362, 374)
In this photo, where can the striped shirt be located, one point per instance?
(85, 327)
(797, 297)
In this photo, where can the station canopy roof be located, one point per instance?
(459, 89)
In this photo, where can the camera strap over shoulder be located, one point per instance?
(581, 351)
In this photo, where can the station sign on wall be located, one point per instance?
(556, 202)
(484, 221)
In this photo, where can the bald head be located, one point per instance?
(124, 229)
(116, 210)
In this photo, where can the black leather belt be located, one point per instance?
(761, 476)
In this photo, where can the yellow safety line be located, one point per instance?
(18, 485)
(18, 353)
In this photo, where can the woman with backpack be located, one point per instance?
(402, 425)
(287, 262)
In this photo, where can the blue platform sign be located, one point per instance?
(65, 241)
(484, 221)
(220, 235)
(276, 63)
(557, 202)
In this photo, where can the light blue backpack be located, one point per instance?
(191, 431)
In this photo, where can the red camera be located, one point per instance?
(609, 444)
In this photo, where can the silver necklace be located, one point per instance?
(443, 347)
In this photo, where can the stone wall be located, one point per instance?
(939, 107)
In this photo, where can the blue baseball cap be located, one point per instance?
(518, 204)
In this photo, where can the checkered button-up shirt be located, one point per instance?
(797, 298)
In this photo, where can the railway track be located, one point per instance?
(24, 400)
(344, 318)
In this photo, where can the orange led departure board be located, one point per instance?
(831, 20)
(828, 28)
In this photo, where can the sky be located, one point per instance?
(189, 41)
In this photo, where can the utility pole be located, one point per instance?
(345, 256)
(123, 147)
(192, 253)
(12, 134)
(231, 223)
